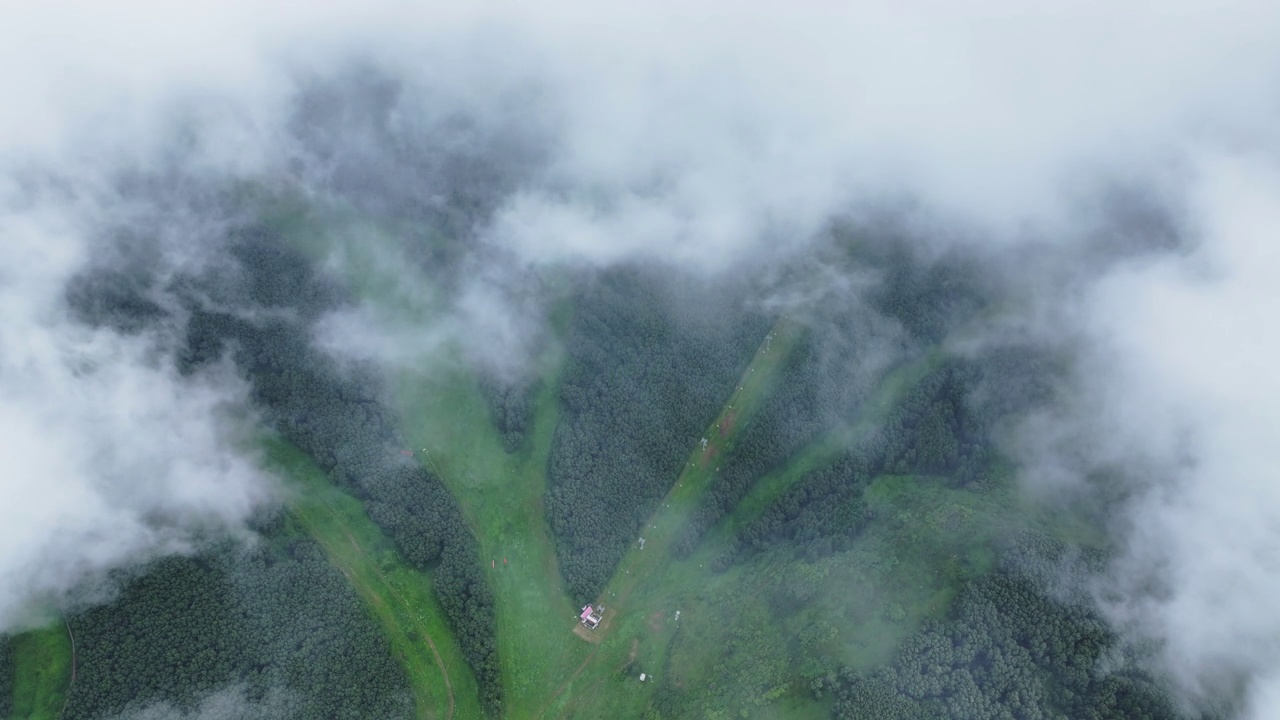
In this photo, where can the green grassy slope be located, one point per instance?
(447, 421)
(42, 672)
(398, 597)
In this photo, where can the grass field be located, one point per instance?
(399, 598)
(42, 672)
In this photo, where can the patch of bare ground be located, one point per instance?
(655, 621)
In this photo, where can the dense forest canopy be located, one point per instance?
(6, 678)
(278, 620)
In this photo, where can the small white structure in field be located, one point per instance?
(642, 677)
(641, 543)
(704, 443)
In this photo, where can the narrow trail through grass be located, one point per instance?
(43, 662)
(399, 598)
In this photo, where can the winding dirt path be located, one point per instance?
(444, 671)
(564, 685)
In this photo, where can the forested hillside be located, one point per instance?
(818, 389)
(640, 386)
(929, 295)
(1007, 651)
(277, 620)
(849, 346)
(337, 416)
(929, 431)
(258, 311)
(863, 581)
(881, 555)
(6, 677)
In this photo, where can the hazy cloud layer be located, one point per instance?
(231, 703)
(109, 457)
(697, 134)
(1190, 344)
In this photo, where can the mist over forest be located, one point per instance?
(883, 362)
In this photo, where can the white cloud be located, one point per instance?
(1189, 384)
(108, 457)
(230, 703)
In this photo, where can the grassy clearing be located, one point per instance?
(42, 671)
(447, 420)
(398, 597)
